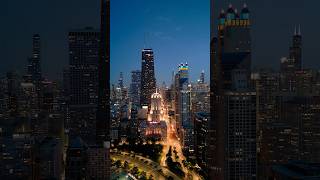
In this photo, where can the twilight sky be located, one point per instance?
(177, 30)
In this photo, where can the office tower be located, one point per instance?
(287, 74)
(185, 101)
(34, 66)
(292, 64)
(154, 127)
(200, 97)
(176, 104)
(240, 116)
(202, 76)
(295, 51)
(156, 108)
(103, 112)
(148, 80)
(183, 108)
(83, 74)
(103, 120)
(134, 123)
(231, 93)
(120, 81)
(135, 88)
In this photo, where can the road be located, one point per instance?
(173, 141)
(146, 165)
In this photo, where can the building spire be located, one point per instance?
(295, 30)
(299, 30)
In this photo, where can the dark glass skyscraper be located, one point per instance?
(295, 51)
(103, 112)
(34, 66)
(148, 80)
(290, 65)
(83, 68)
(232, 137)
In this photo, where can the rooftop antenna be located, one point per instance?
(144, 41)
(146, 38)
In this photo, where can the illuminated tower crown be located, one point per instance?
(156, 109)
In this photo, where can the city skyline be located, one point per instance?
(168, 28)
(71, 16)
(161, 90)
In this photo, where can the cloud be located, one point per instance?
(161, 35)
(164, 19)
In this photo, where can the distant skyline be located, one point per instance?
(178, 32)
(273, 26)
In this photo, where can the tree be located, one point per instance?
(135, 170)
(126, 165)
(118, 163)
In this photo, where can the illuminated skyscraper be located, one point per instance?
(148, 80)
(135, 88)
(120, 81)
(202, 76)
(183, 108)
(154, 126)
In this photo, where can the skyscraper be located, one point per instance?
(183, 108)
(231, 93)
(103, 112)
(120, 81)
(295, 51)
(83, 68)
(103, 119)
(148, 80)
(135, 88)
(34, 66)
(202, 76)
(291, 64)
